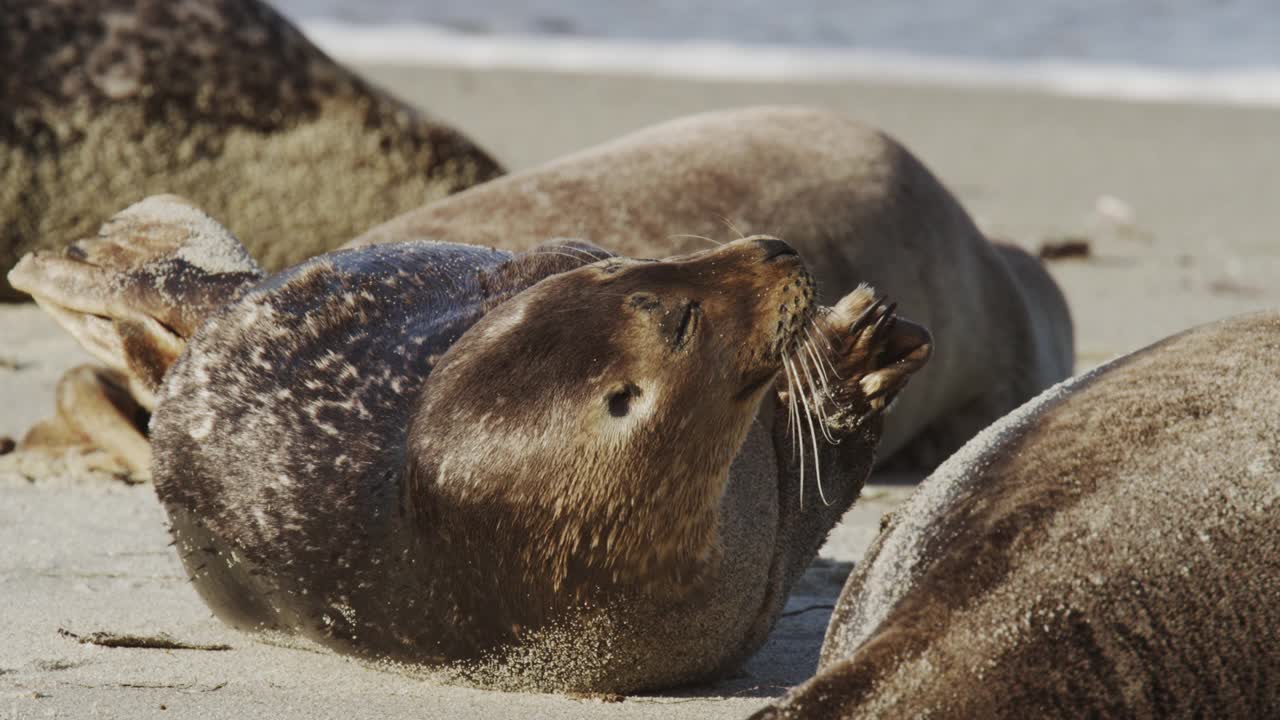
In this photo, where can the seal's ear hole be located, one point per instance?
(620, 400)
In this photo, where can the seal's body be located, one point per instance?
(557, 469)
(103, 102)
(1111, 549)
(857, 206)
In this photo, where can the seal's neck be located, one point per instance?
(533, 545)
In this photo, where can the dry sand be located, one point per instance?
(1176, 201)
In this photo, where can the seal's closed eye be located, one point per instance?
(620, 401)
(681, 324)
(677, 320)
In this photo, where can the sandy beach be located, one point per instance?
(1176, 202)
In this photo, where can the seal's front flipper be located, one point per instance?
(135, 293)
(872, 352)
(829, 414)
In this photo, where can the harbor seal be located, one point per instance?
(1111, 549)
(854, 202)
(104, 102)
(555, 470)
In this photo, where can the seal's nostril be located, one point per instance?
(774, 248)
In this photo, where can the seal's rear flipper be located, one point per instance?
(135, 293)
(95, 412)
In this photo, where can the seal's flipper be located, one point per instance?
(135, 293)
(861, 357)
(98, 426)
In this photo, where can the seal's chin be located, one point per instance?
(784, 347)
(754, 382)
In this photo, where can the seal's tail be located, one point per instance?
(134, 294)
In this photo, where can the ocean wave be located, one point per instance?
(427, 44)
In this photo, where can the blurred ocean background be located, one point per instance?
(1207, 50)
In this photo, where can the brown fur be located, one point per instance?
(104, 102)
(1109, 550)
(663, 538)
(857, 206)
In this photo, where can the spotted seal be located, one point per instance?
(104, 102)
(1111, 549)
(558, 470)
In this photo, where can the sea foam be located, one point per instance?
(433, 45)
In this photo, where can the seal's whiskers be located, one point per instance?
(826, 341)
(814, 396)
(797, 436)
(813, 438)
(696, 237)
(826, 391)
(588, 252)
(581, 262)
(729, 224)
(817, 365)
(791, 393)
(826, 356)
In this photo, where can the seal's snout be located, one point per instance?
(774, 248)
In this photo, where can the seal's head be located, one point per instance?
(592, 418)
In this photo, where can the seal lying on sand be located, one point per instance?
(1111, 549)
(856, 205)
(105, 102)
(536, 470)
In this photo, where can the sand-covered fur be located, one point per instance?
(1112, 548)
(131, 296)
